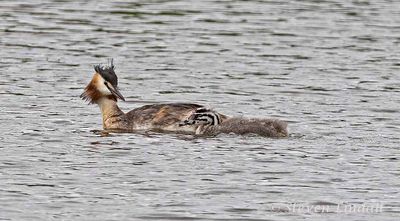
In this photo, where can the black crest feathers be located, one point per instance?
(107, 72)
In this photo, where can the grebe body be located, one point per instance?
(176, 117)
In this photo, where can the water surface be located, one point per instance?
(329, 68)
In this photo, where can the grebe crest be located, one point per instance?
(104, 83)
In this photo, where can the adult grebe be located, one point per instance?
(178, 117)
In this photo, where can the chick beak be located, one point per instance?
(114, 91)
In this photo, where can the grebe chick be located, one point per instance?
(178, 117)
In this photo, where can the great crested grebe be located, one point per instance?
(178, 117)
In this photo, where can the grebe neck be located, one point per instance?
(110, 112)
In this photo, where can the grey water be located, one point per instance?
(330, 68)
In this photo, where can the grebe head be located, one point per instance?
(103, 84)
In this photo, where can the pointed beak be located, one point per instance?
(115, 92)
